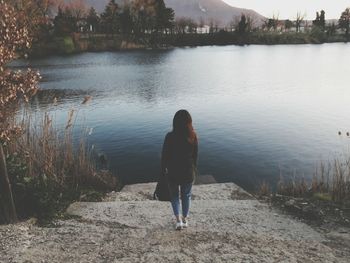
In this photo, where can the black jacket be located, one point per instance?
(179, 159)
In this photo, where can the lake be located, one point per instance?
(259, 111)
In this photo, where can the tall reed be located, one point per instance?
(330, 179)
(54, 154)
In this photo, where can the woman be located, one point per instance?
(179, 163)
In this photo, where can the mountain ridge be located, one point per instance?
(208, 10)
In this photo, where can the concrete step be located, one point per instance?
(141, 192)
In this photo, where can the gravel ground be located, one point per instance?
(226, 225)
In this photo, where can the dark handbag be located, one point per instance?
(162, 189)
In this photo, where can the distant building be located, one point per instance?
(304, 26)
(82, 25)
(203, 30)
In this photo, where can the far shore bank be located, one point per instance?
(80, 43)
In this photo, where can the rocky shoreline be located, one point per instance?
(227, 224)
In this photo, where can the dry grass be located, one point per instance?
(330, 179)
(54, 154)
(264, 189)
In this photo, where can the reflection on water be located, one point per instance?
(257, 109)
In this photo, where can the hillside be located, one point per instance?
(215, 10)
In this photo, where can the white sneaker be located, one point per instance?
(178, 225)
(184, 223)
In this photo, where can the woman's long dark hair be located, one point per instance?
(182, 126)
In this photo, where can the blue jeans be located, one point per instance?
(186, 192)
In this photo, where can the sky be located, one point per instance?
(287, 9)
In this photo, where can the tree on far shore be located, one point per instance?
(298, 21)
(242, 25)
(69, 17)
(64, 22)
(320, 20)
(271, 23)
(288, 24)
(110, 18)
(344, 21)
(331, 29)
(164, 17)
(93, 20)
(126, 21)
(245, 25)
(185, 25)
